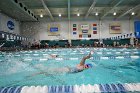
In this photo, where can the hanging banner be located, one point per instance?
(53, 29)
(115, 28)
(84, 29)
(137, 29)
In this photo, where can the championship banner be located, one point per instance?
(115, 28)
(84, 36)
(84, 29)
(53, 29)
(94, 28)
(74, 33)
(74, 27)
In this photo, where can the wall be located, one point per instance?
(3, 24)
(38, 30)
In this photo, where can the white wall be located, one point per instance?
(38, 30)
(3, 24)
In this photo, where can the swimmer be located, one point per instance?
(78, 68)
(53, 55)
(81, 66)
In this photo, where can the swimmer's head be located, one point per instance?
(54, 55)
(86, 66)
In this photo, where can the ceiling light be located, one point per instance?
(114, 13)
(96, 14)
(41, 15)
(78, 14)
(59, 15)
(133, 13)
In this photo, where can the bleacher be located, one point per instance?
(84, 42)
(52, 43)
(120, 41)
(10, 41)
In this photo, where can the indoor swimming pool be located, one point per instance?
(36, 67)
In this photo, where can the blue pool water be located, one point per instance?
(36, 68)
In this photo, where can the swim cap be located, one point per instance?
(89, 65)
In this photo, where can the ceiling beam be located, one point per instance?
(112, 9)
(130, 10)
(138, 16)
(68, 9)
(18, 11)
(91, 8)
(53, 7)
(47, 9)
(112, 2)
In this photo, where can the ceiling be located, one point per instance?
(30, 10)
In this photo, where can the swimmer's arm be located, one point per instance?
(84, 58)
(35, 74)
(68, 68)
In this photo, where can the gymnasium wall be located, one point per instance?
(14, 25)
(39, 30)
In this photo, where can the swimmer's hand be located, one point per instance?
(88, 56)
(91, 52)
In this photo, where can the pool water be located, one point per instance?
(36, 68)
